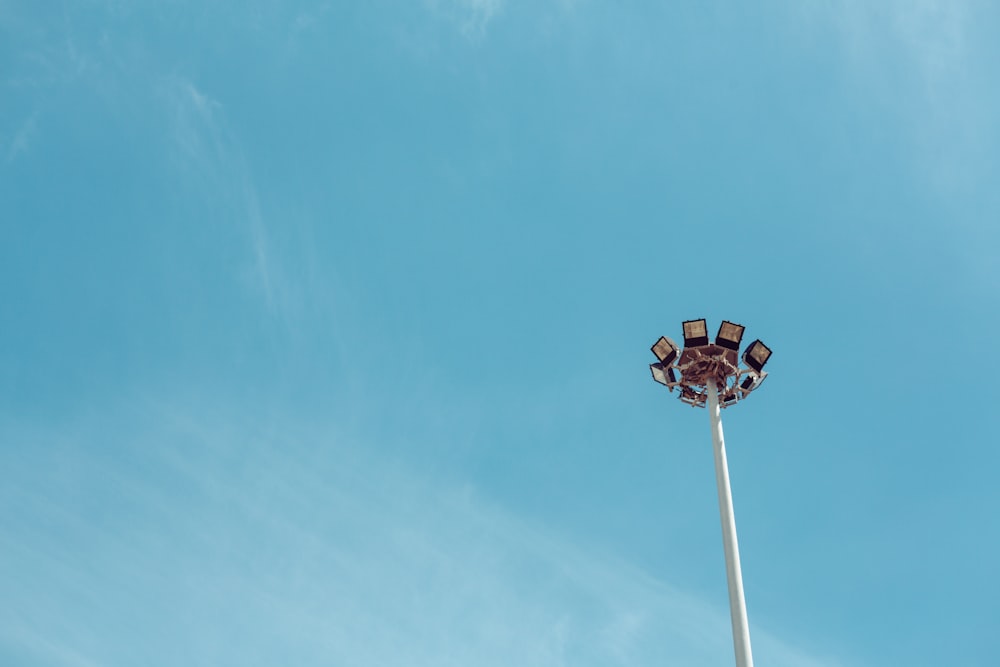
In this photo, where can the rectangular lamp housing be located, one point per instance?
(729, 336)
(695, 333)
(757, 355)
(665, 350)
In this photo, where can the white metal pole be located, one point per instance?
(737, 604)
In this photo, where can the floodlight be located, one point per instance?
(689, 395)
(700, 361)
(664, 375)
(665, 350)
(730, 335)
(752, 382)
(695, 333)
(756, 355)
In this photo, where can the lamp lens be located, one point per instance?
(664, 350)
(695, 329)
(759, 353)
(731, 332)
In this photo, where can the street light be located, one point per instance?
(710, 376)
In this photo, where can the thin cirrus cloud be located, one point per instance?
(20, 143)
(933, 35)
(209, 158)
(471, 16)
(927, 62)
(191, 540)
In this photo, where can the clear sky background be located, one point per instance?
(324, 331)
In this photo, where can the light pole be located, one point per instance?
(706, 370)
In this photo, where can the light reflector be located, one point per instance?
(729, 336)
(665, 350)
(757, 355)
(695, 333)
(664, 375)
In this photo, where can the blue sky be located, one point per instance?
(325, 331)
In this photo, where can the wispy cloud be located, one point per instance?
(923, 61)
(471, 16)
(232, 541)
(209, 156)
(21, 141)
(928, 42)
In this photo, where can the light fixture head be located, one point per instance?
(756, 355)
(729, 336)
(752, 381)
(665, 350)
(701, 365)
(692, 397)
(695, 333)
(664, 375)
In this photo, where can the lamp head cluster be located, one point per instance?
(700, 361)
